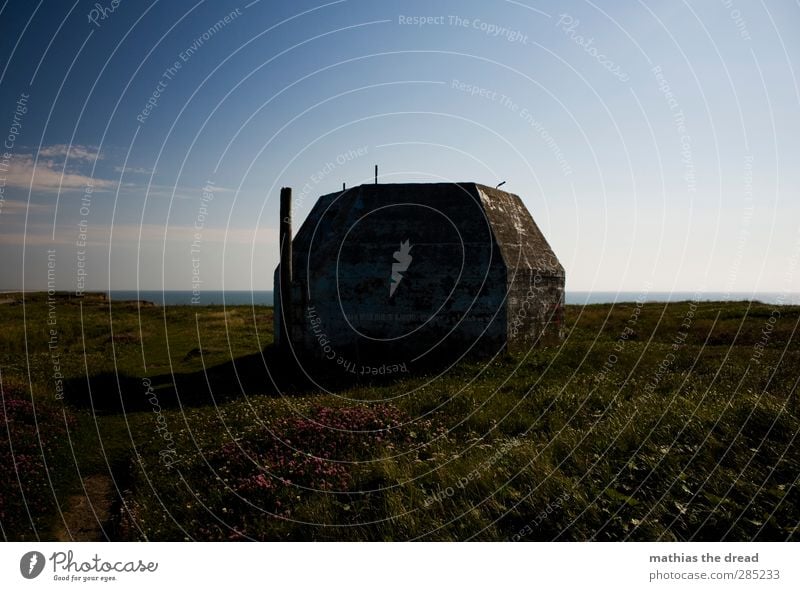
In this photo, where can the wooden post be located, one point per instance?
(286, 267)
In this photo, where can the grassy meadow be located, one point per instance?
(649, 422)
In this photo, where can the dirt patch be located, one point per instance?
(87, 514)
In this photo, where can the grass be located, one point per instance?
(657, 421)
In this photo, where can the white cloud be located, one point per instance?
(176, 191)
(16, 207)
(210, 235)
(49, 175)
(33, 235)
(74, 151)
(133, 235)
(133, 170)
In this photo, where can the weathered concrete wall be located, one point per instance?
(395, 275)
(535, 277)
(535, 310)
(444, 299)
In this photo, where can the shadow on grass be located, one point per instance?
(268, 373)
(109, 393)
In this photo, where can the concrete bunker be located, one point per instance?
(388, 276)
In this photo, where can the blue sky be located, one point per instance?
(655, 143)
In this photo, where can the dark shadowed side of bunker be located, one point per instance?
(392, 277)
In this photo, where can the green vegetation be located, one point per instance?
(658, 421)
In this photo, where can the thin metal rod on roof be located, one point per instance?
(500, 185)
(376, 174)
(343, 187)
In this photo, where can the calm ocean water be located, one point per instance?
(265, 298)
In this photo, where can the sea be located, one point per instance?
(265, 298)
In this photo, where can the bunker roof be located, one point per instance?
(521, 242)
